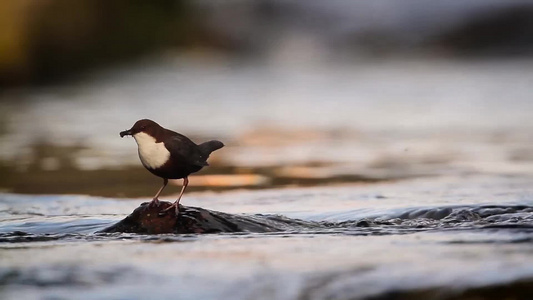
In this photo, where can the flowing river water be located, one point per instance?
(449, 215)
(446, 235)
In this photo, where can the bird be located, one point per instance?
(169, 155)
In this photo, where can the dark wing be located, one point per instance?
(185, 150)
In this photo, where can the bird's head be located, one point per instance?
(147, 126)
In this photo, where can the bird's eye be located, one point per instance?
(143, 127)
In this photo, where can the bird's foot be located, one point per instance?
(174, 206)
(154, 203)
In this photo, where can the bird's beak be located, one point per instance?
(125, 132)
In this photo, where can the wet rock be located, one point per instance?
(363, 223)
(148, 220)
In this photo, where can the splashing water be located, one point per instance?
(346, 242)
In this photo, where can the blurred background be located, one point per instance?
(301, 92)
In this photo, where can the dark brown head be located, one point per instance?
(147, 126)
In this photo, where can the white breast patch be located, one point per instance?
(153, 155)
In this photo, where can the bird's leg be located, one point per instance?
(176, 204)
(155, 200)
(185, 184)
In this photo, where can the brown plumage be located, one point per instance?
(168, 154)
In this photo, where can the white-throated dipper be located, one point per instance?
(169, 154)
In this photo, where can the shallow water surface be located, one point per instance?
(445, 235)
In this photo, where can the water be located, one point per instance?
(312, 123)
(418, 175)
(273, 113)
(448, 234)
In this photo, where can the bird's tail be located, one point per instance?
(210, 146)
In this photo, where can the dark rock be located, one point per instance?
(363, 223)
(147, 220)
